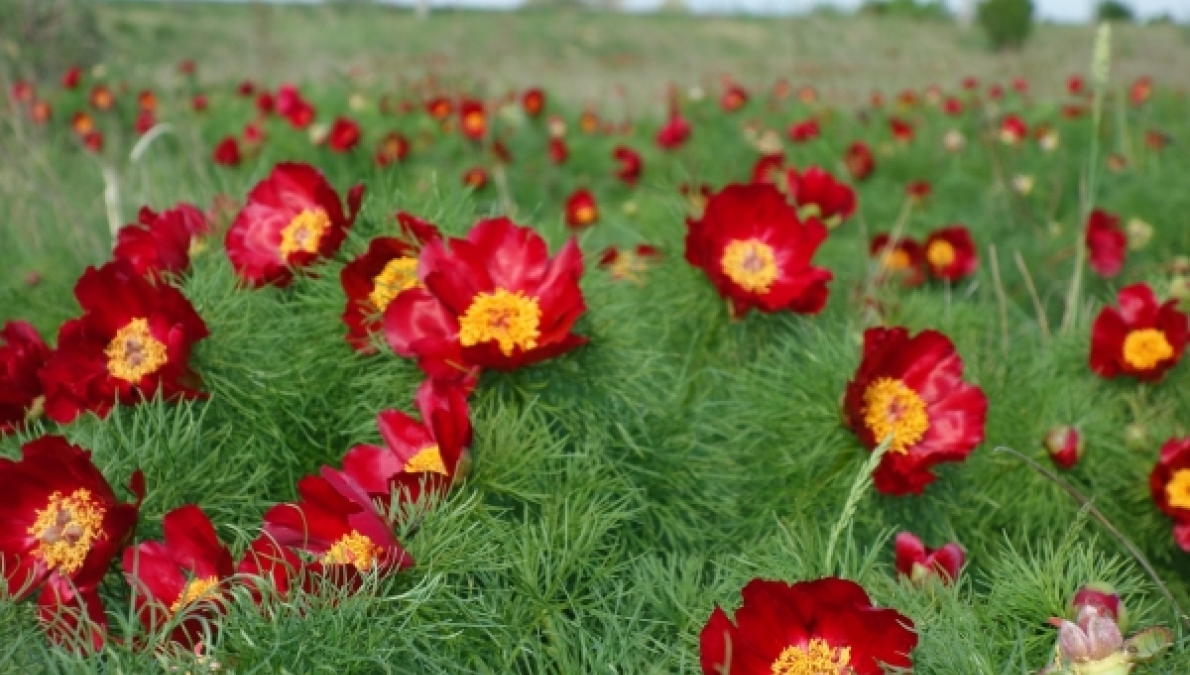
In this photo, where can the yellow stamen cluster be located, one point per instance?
(196, 589)
(890, 407)
(584, 215)
(354, 549)
(751, 264)
(427, 460)
(66, 529)
(940, 253)
(895, 260)
(473, 122)
(628, 265)
(304, 233)
(1145, 348)
(400, 274)
(1177, 491)
(134, 353)
(511, 319)
(816, 658)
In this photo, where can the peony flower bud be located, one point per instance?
(1102, 597)
(1103, 635)
(1064, 445)
(1136, 436)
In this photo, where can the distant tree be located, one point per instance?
(906, 9)
(1007, 23)
(1114, 10)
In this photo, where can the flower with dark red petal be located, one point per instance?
(952, 106)
(918, 563)
(675, 133)
(179, 581)
(393, 148)
(1142, 338)
(1141, 90)
(338, 526)
(769, 168)
(951, 254)
(132, 342)
(344, 135)
(374, 279)
(161, 242)
(1064, 445)
(93, 142)
(145, 120)
(1013, 130)
(1169, 484)
(806, 130)
(147, 100)
(71, 78)
(823, 627)
(1107, 243)
(293, 218)
(903, 259)
(910, 391)
(41, 112)
(292, 106)
(227, 152)
(22, 354)
(265, 103)
(901, 130)
(818, 194)
(628, 264)
(439, 108)
(473, 122)
(62, 522)
(72, 617)
(271, 565)
(199, 102)
(918, 191)
(533, 102)
(581, 209)
(1075, 85)
(493, 300)
(101, 98)
(757, 252)
(558, 150)
(733, 98)
(630, 164)
(859, 160)
(429, 455)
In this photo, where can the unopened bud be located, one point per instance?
(1064, 445)
(1102, 597)
(1136, 436)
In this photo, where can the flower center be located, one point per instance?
(196, 589)
(304, 232)
(629, 266)
(816, 658)
(355, 549)
(940, 253)
(584, 215)
(892, 408)
(135, 353)
(512, 319)
(1145, 348)
(895, 260)
(400, 274)
(473, 122)
(1178, 489)
(66, 530)
(427, 460)
(751, 265)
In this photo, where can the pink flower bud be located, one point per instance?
(1072, 641)
(1102, 597)
(1102, 633)
(1064, 445)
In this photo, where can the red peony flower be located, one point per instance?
(393, 148)
(675, 133)
(266, 104)
(72, 617)
(533, 102)
(186, 67)
(970, 83)
(581, 209)
(901, 130)
(374, 279)
(440, 108)
(274, 566)
(93, 142)
(1013, 130)
(817, 194)
(293, 217)
(1170, 486)
(918, 191)
(336, 522)
(951, 254)
(1107, 244)
(806, 130)
(952, 106)
(918, 563)
(147, 100)
(199, 102)
(161, 242)
(476, 178)
(628, 264)
(630, 164)
(734, 97)
(473, 122)
(101, 98)
(344, 135)
(227, 152)
(145, 120)
(912, 389)
(179, 580)
(1141, 338)
(22, 354)
(492, 300)
(416, 456)
(41, 112)
(827, 626)
(1064, 445)
(1075, 85)
(293, 107)
(72, 77)
(904, 259)
(63, 524)
(246, 88)
(82, 123)
(859, 160)
(757, 252)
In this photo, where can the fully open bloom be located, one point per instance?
(271, 565)
(293, 217)
(581, 209)
(912, 390)
(1013, 130)
(344, 135)
(227, 152)
(1169, 484)
(374, 279)
(630, 164)
(901, 130)
(859, 160)
(951, 254)
(336, 523)
(62, 522)
(493, 300)
(179, 579)
(473, 121)
(393, 148)
(22, 354)
(1107, 244)
(769, 168)
(823, 627)
(132, 342)
(439, 107)
(416, 456)
(757, 252)
(1142, 338)
(818, 194)
(533, 102)
(917, 563)
(291, 106)
(161, 242)
(903, 259)
(101, 98)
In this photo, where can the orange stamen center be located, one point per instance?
(134, 353)
(196, 589)
(891, 408)
(1145, 348)
(1178, 489)
(940, 253)
(427, 460)
(66, 529)
(355, 549)
(511, 319)
(304, 233)
(400, 274)
(815, 658)
(751, 264)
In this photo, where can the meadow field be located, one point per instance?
(337, 340)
